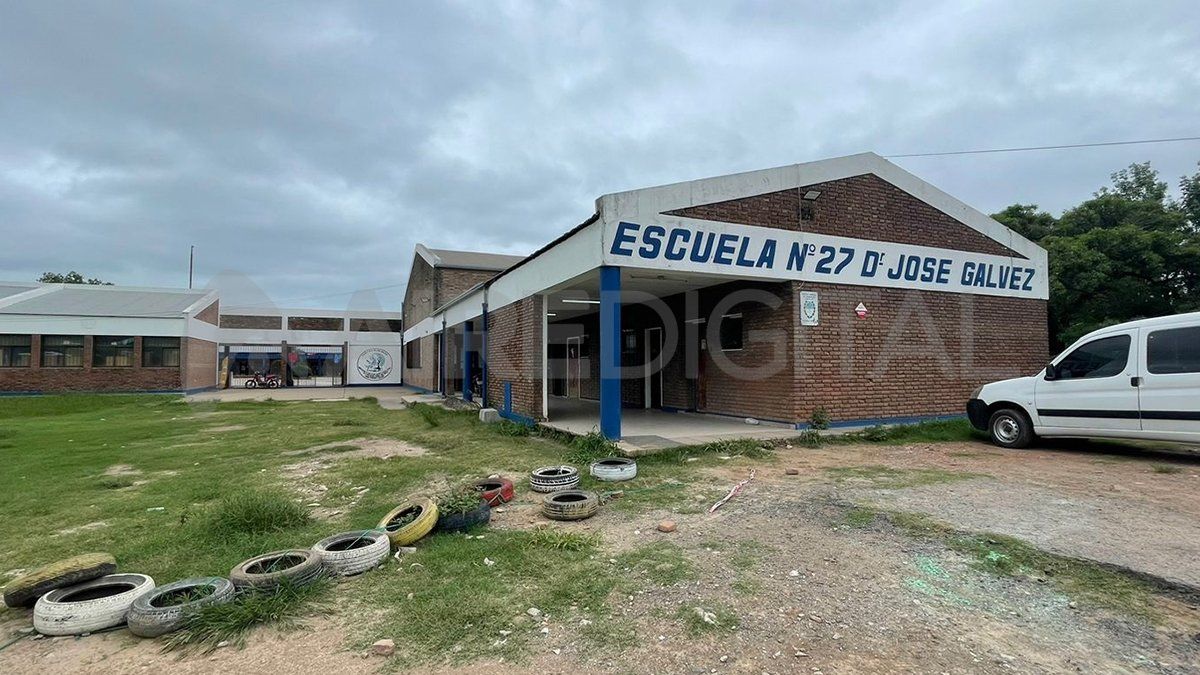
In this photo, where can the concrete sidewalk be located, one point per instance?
(390, 398)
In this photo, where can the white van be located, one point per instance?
(1136, 380)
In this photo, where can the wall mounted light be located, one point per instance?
(571, 301)
(812, 195)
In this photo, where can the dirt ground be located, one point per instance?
(814, 595)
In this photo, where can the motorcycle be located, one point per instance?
(269, 381)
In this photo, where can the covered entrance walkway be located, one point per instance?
(646, 430)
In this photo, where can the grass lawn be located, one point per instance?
(176, 489)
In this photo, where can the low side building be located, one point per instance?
(76, 337)
(311, 347)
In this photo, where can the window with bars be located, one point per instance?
(112, 351)
(62, 351)
(15, 351)
(160, 352)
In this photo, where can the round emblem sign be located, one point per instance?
(374, 364)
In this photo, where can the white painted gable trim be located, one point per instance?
(648, 202)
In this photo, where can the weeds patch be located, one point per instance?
(452, 607)
(662, 564)
(1166, 468)
(707, 618)
(590, 447)
(887, 478)
(282, 607)
(560, 540)
(924, 432)
(254, 512)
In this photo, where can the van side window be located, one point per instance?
(1173, 351)
(1099, 358)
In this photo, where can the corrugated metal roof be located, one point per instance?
(116, 301)
(10, 288)
(475, 260)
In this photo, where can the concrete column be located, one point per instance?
(610, 352)
(466, 360)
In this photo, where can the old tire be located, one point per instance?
(570, 505)
(614, 469)
(495, 491)
(553, 478)
(1010, 428)
(27, 588)
(351, 553)
(457, 522)
(403, 535)
(93, 605)
(166, 608)
(296, 566)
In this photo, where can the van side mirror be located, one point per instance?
(1051, 372)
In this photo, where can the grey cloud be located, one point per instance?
(309, 146)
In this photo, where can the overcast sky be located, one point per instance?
(309, 147)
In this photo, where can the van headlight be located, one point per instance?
(977, 392)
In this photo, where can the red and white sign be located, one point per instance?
(861, 311)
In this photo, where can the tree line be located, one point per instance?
(1131, 251)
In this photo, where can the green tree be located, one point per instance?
(71, 277)
(1128, 252)
(1027, 221)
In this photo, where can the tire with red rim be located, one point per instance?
(495, 491)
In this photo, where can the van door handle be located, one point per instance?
(1135, 381)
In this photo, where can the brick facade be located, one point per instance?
(428, 289)
(199, 367)
(334, 323)
(197, 370)
(862, 207)
(424, 376)
(917, 353)
(514, 353)
(251, 322)
(210, 314)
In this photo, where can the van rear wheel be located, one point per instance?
(1011, 428)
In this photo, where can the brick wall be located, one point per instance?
(515, 355)
(916, 353)
(315, 323)
(88, 378)
(210, 314)
(424, 377)
(863, 207)
(419, 300)
(251, 322)
(199, 363)
(453, 282)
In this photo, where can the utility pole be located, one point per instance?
(191, 264)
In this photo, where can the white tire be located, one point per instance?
(553, 478)
(614, 469)
(351, 553)
(91, 606)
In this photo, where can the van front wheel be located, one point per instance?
(1011, 428)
